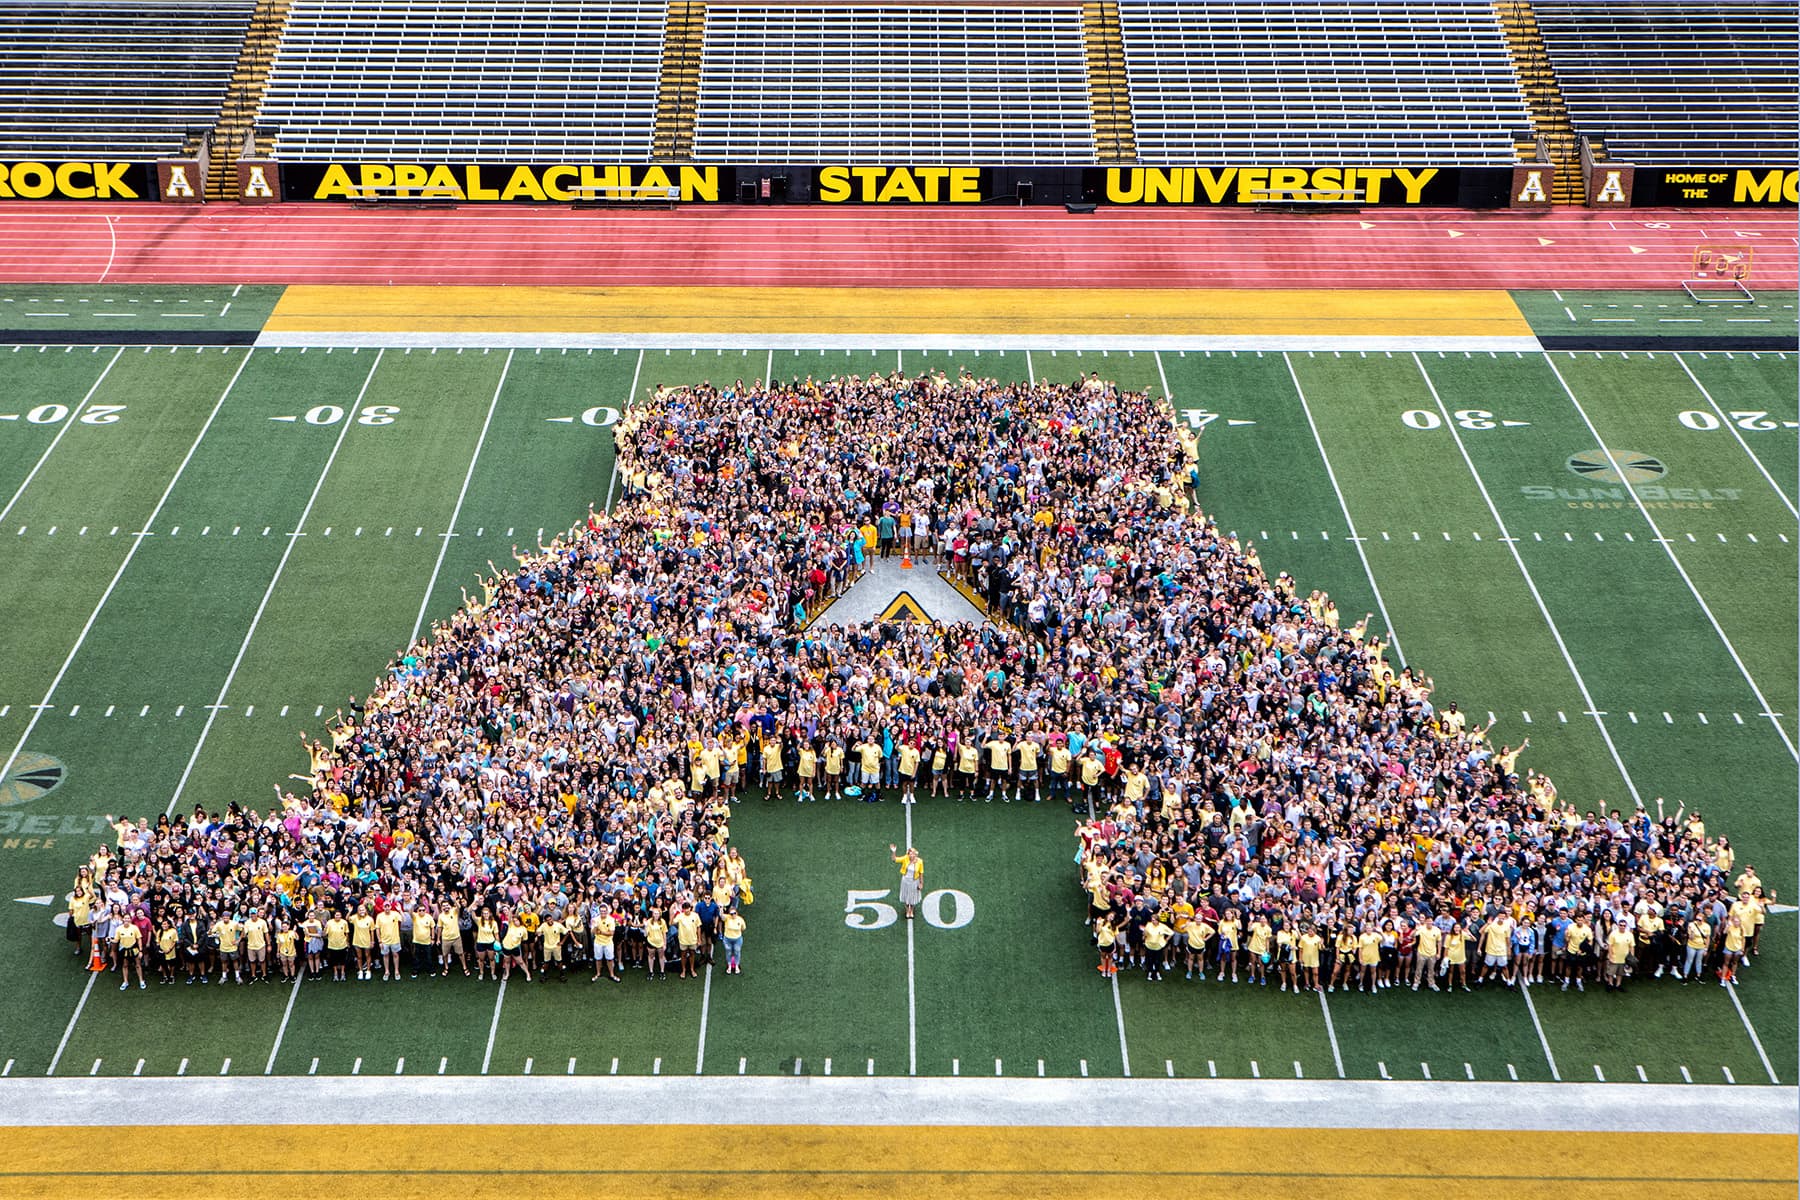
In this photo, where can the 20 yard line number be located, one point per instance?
(1750, 420)
(55, 414)
(870, 910)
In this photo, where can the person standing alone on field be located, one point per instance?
(912, 877)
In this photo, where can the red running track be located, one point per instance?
(934, 247)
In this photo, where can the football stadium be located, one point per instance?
(799, 598)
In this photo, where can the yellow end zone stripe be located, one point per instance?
(349, 1162)
(1073, 312)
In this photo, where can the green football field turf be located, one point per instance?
(209, 549)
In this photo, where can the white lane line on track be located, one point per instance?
(268, 592)
(130, 553)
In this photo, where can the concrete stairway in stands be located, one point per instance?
(237, 116)
(1108, 89)
(678, 91)
(1549, 116)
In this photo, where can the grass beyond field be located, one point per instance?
(209, 549)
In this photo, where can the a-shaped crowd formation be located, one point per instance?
(547, 778)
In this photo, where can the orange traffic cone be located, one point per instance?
(906, 562)
(95, 963)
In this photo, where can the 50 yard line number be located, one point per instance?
(865, 909)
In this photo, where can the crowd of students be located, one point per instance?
(546, 780)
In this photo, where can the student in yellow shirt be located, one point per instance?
(1368, 957)
(806, 773)
(968, 766)
(287, 947)
(514, 934)
(228, 932)
(1456, 957)
(487, 937)
(656, 943)
(256, 946)
(687, 938)
(1618, 950)
(168, 943)
(1309, 949)
(1428, 941)
(1732, 945)
(1230, 926)
(362, 940)
(603, 925)
(337, 945)
(1197, 934)
(834, 768)
(450, 942)
(1106, 938)
(908, 754)
(130, 941)
(550, 944)
(1156, 935)
(1343, 959)
(1286, 949)
(731, 936)
(424, 939)
(387, 941)
(1261, 947)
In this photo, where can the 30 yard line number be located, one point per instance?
(331, 414)
(864, 909)
(1468, 418)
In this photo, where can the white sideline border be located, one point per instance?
(861, 1101)
(1121, 343)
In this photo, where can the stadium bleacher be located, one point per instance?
(466, 80)
(1312, 81)
(110, 80)
(983, 85)
(1693, 82)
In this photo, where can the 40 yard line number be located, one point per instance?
(865, 909)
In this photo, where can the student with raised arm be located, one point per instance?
(912, 877)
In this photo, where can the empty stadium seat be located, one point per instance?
(116, 80)
(895, 84)
(466, 80)
(1688, 83)
(1320, 82)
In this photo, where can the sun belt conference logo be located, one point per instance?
(1631, 467)
(32, 775)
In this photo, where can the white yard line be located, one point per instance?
(1525, 990)
(1119, 1012)
(1730, 425)
(1349, 521)
(68, 424)
(68, 1032)
(493, 1029)
(217, 706)
(461, 495)
(1751, 1030)
(613, 478)
(705, 1010)
(38, 710)
(1669, 549)
(286, 1013)
(1164, 376)
(912, 994)
(1512, 548)
(1331, 1032)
